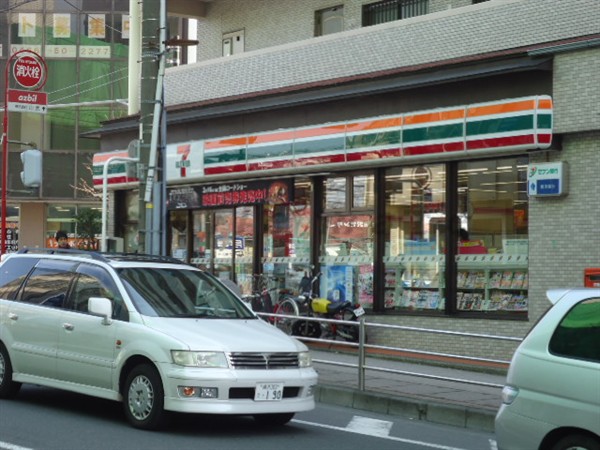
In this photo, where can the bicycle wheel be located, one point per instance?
(287, 307)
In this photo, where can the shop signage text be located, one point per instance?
(230, 194)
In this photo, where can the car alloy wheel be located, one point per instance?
(141, 397)
(143, 400)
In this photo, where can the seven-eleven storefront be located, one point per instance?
(376, 205)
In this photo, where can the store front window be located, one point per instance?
(415, 204)
(348, 238)
(492, 254)
(287, 240)
(491, 219)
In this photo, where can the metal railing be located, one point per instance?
(362, 346)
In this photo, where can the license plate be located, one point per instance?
(359, 311)
(268, 392)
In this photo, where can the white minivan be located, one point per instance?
(154, 333)
(552, 397)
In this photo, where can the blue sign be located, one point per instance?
(548, 187)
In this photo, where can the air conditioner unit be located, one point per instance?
(115, 244)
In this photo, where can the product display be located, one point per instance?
(495, 282)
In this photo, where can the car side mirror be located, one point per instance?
(101, 306)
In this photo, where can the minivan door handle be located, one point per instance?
(68, 326)
(13, 316)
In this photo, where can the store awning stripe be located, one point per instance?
(374, 154)
(499, 125)
(522, 123)
(496, 108)
(226, 142)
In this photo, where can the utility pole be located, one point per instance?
(150, 68)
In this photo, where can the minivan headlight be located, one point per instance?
(509, 394)
(199, 359)
(304, 359)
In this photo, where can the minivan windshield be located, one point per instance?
(173, 292)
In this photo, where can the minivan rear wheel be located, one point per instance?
(144, 398)
(577, 442)
(8, 387)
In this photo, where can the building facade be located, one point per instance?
(85, 46)
(436, 161)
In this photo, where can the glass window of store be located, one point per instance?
(347, 242)
(415, 204)
(287, 241)
(492, 252)
(490, 213)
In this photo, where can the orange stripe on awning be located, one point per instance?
(374, 124)
(501, 108)
(271, 137)
(99, 158)
(545, 103)
(436, 116)
(319, 131)
(229, 142)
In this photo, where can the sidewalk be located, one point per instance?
(412, 396)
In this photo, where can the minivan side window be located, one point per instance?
(94, 281)
(578, 334)
(12, 274)
(49, 283)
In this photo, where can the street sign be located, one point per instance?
(29, 72)
(27, 101)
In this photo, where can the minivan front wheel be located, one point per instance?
(8, 388)
(144, 398)
(577, 442)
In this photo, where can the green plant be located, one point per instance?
(89, 224)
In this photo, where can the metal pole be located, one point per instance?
(4, 160)
(150, 59)
(361, 354)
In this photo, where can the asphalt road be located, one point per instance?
(47, 419)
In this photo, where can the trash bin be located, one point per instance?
(591, 277)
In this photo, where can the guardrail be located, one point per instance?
(362, 346)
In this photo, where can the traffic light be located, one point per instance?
(32, 168)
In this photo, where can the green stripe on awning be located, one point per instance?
(270, 151)
(373, 139)
(500, 125)
(225, 156)
(319, 145)
(98, 169)
(412, 135)
(544, 121)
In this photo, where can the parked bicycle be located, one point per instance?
(309, 304)
(261, 299)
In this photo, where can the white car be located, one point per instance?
(151, 332)
(552, 397)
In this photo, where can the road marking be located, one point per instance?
(493, 445)
(7, 446)
(366, 425)
(390, 438)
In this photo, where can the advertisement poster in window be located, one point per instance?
(337, 284)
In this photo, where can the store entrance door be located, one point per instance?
(224, 244)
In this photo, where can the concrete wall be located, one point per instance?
(276, 22)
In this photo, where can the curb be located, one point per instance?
(453, 415)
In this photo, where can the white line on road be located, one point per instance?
(391, 438)
(366, 425)
(7, 446)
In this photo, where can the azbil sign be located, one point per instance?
(27, 101)
(29, 71)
